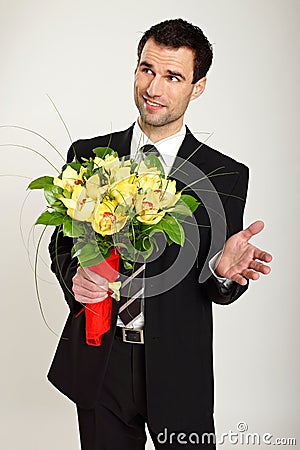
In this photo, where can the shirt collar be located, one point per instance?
(167, 146)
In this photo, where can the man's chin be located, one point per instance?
(152, 121)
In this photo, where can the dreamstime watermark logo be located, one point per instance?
(199, 185)
(239, 437)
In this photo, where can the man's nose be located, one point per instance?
(155, 88)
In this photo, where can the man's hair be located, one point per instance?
(179, 33)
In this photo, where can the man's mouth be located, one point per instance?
(152, 105)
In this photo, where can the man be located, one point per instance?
(167, 380)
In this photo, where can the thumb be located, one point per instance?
(255, 228)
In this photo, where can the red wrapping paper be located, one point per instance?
(98, 315)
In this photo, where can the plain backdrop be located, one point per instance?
(82, 54)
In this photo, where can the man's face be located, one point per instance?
(163, 87)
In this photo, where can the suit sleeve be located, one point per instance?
(62, 264)
(234, 207)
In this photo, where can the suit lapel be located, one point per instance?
(121, 141)
(191, 149)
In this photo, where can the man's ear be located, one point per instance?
(198, 88)
(137, 66)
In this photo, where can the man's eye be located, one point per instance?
(173, 78)
(147, 70)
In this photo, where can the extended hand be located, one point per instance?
(88, 287)
(240, 260)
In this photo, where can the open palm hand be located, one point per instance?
(241, 261)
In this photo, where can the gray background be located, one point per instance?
(83, 53)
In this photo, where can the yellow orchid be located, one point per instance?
(94, 188)
(111, 162)
(106, 219)
(120, 173)
(80, 206)
(149, 181)
(142, 169)
(70, 178)
(147, 207)
(167, 193)
(98, 162)
(125, 190)
(108, 162)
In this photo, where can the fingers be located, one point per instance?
(239, 279)
(90, 280)
(88, 300)
(242, 278)
(262, 255)
(252, 273)
(260, 267)
(84, 296)
(89, 287)
(87, 274)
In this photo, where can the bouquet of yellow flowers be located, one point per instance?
(109, 202)
(112, 207)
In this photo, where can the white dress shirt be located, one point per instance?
(168, 149)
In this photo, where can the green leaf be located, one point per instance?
(127, 265)
(152, 239)
(89, 262)
(169, 241)
(190, 201)
(59, 207)
(147, 244)
(180, 210)
(153, 161)
(51, 193)
(50, 218)
(40, 183)
(88, 254)
(172, 228)
(66, 193)
(72, 228)
(75, 165)
(127, 250)
(101, 152)
(133, 166)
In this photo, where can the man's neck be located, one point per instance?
(156, 134)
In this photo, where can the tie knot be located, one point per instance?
(149, 150)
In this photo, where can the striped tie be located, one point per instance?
(132, 294)
(149, 150)
(132, 291)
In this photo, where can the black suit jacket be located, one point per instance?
(178, 322)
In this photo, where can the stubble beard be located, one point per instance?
(155, 120)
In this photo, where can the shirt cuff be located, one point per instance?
(225, 282)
